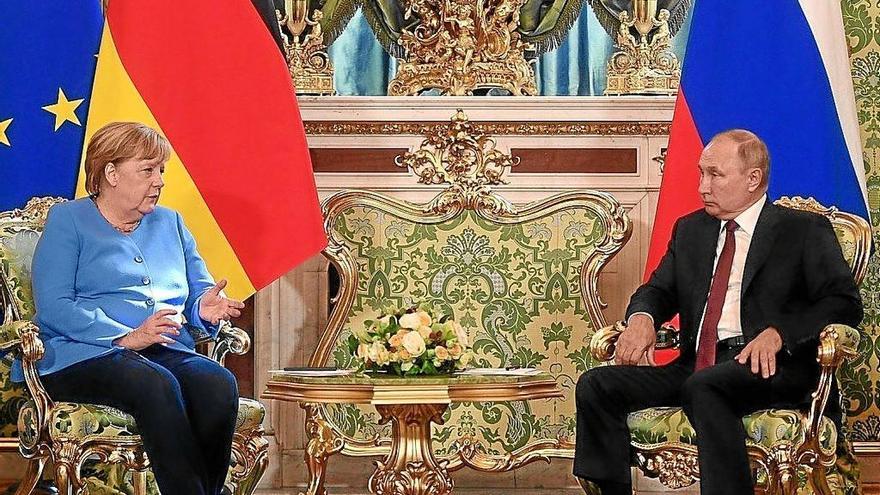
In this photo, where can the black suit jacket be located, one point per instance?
(795, 279)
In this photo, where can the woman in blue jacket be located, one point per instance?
(114, 278)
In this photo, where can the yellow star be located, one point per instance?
(64, 109)
(4, 124)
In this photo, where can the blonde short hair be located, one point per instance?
(118, 142)
(750, 149)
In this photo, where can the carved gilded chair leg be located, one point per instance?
(322, 444)
(31, 476)
(819, 481)
(63, 474)
(251, 456)
(139, 482)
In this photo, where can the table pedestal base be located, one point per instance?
(410, 468)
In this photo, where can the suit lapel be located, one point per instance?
(762, 243)
(706, 247)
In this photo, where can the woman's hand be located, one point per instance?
(215, 306)
(154, 330)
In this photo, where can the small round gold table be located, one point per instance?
(411, 405)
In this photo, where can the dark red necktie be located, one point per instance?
(715, 303)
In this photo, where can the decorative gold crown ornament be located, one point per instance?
(457, 46)
(643, 63)
(304, 47)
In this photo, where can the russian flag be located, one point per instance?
(781, 70)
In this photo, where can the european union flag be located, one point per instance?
(47, 66)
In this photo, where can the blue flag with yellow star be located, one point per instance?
(47, 66)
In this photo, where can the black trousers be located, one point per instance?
(714, 399)
(185, 406)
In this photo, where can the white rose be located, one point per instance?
(374, 351)
(406, 366)
(460, 334)
(383, 356)
(414, 344)
(410, 320)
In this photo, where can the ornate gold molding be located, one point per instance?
(369, 128)
(456, 48)
(466, 161)
(644, 65)
(306, 53)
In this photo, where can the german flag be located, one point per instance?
(209, 76)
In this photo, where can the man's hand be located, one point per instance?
(152, 331)
(762, 352)
(636, 344)
(215, 306)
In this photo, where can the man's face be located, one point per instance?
(727, 187)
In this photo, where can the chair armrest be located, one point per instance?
(10, 334)
(605, 340)
(229, 339)
(837, 343)
(30, 348)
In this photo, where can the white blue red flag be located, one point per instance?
(781, 70)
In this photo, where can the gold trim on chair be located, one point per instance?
(467, 163)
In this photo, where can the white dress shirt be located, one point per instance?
(730, 324)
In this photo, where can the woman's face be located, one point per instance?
(138, 183)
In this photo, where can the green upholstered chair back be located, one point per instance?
(19, 231)
(857, 375)
(520, 279)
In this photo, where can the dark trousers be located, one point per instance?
(185, 406)
(714, 399)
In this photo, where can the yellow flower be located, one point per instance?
(414, 344)
(363, 350)
(382, 356)
(441, 353)
(404, 355)
(425, 332)
(455, 350)
(424, 318)
(397, 338)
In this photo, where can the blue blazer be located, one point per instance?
(93, 285)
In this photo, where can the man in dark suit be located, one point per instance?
(753, 285)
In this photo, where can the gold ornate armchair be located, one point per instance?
(794, 451)
(92, 447)
(521, 279)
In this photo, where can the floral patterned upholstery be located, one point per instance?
(651, 427)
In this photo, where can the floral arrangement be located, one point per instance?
(411, 341)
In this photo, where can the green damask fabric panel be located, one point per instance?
(16, 254)
(516, 289)
(861, 378)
